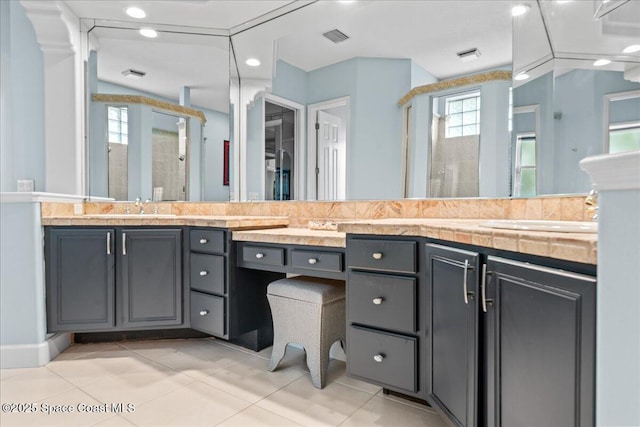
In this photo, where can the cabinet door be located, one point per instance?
(452, 331)
(540, 346)
(151, 277)
(80, 279)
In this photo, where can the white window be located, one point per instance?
(118, 125)
(463, 115)
(624, 137)
(525, 182)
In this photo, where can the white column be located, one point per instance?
(58, 33)
(617, 179)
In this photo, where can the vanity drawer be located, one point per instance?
(207, 241)
(315, 260)
(382, 357)
(382, 255)
(384, 301)
(263, 255)
(207, 273)
(207, 314)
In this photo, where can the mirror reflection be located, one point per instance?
(565, 97)
(369, 57)
(342, 69)
(164, 137)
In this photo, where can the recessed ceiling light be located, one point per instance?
(136, 12)
(148, 32)
(520, 9)
(521, 76)
(632, 49)
(133, 74)
(252, 62)
(601, 62)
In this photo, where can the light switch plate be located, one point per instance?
(77, 209)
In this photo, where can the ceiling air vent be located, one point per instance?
(336, 36)
(469, 55)
(133, 74)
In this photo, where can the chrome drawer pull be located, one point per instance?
(108, 243)
(204, 272)
(259, 255)
(377, 255)
(124, 243)
(204, 312)
(203, 241)
(378, 358)
(312, 261)
(378, 301)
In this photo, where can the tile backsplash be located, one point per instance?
(569, 208)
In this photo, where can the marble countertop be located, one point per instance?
(578, 247)
(230, 222)
(294, 236)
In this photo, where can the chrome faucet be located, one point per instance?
(140, 204)
(592, 202)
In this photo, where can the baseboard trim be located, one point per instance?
(33, 355)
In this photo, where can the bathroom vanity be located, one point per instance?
(484, 325)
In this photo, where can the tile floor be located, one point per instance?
(194, 382)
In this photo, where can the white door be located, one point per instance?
(332, 159)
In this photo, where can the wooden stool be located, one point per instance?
(311, 312)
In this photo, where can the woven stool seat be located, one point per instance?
(310, 312)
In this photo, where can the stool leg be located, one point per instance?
(318, 363)
(277, 353)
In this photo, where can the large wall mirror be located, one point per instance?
(158, 111)
(341, 68)
(576, 90)
(326, 100)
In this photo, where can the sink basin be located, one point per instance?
(125, 216)
(539, 225)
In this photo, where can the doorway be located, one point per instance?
(279, 151)
(327, 149)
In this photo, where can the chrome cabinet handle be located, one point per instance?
(203, 241)
(312, 261)
(483, 287)
(464, 281)
(377, 255)
(108, 243)
(259, 255)
(378, 358)
(124, 243)
(204, 312)
(204, 272)
(378, 301)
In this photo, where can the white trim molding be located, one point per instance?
(620, 171)
(36, 197)
(33, 355)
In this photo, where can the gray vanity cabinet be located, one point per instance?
(540, 346)
(80, 270)
(452, 358)
(113, 279)
(385, 319)
(151, 277)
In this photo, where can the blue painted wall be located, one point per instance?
(206, 158)
(290, 82)
(22, 106)
(578, 133)
(22, 291)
